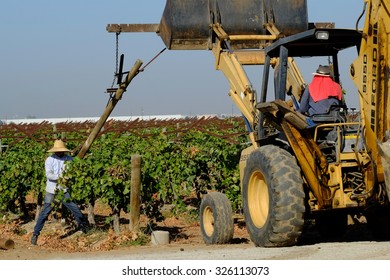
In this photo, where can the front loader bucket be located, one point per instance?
(186, 24)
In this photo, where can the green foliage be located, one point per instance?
(175, 167)
(21, 171)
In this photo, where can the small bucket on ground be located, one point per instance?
(160, 237)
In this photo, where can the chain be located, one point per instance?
(116, 51)
(116, 57)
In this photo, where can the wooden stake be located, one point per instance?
(135, 192)
(110, 107)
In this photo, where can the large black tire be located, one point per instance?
(273, 197)
(216, 219)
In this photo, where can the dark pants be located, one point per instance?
(48, 207)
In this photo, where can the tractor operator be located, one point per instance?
(321, 94)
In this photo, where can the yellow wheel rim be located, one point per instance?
(258, 199)
(208, 221)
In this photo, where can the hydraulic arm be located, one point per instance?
(231, 63)
(371, 74)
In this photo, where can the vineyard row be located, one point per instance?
(180, 160)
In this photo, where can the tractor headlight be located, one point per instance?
(322, 35)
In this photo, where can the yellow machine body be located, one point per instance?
(290, 172)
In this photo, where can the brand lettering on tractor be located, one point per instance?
(244, 157)
(374, 74)
(364, 74)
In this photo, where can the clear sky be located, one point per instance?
(57, 59)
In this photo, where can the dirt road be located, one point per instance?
(324, 251)
(187, 244)
(348, 250)
(359, 250)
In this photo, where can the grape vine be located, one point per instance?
(177, 164)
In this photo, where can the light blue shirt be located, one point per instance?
(54, 167)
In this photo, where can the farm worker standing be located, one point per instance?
(320, 94)
(54, 166)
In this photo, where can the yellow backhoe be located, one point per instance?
(322, 167)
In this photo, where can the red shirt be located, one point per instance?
(323, 87)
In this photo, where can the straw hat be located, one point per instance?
(322, 70)
(59, 146)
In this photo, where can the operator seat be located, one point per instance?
(336, 114)
(327, 138)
